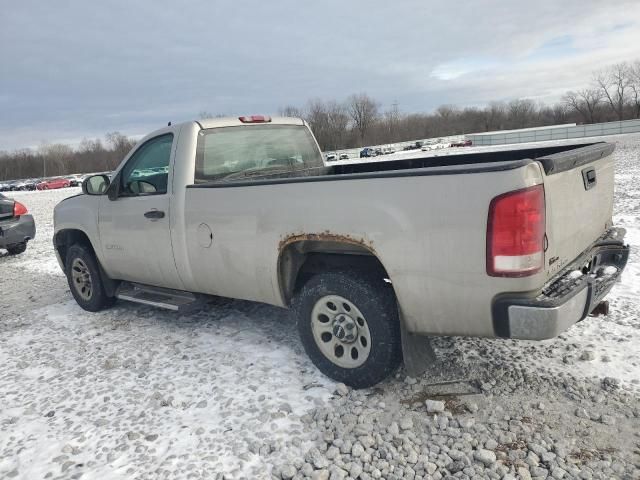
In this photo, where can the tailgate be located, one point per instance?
(578, 189)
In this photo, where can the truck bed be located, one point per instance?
(555, 156)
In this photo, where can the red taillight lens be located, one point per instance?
(255, 119)
(515, 233)
(19, 209)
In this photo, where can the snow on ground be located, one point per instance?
(136, 392)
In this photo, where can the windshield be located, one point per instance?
(239, 153)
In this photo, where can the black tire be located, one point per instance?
(376, 301)
(17, 248)
(97, 298)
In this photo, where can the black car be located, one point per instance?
(16, 226)
(367, 152)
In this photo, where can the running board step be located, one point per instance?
(175, 300)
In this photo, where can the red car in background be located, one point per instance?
(52, 183)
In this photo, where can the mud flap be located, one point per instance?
(417, 352)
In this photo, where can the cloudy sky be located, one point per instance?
(74, 69)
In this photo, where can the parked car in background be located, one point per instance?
(389, 149)
(414, 146)
(16, 226)
(52, 183)
(461, 143)
(367, 152)
(343, 156)
(75, 180)
(331, 157)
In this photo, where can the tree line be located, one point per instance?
(359, 120)
(51, 160)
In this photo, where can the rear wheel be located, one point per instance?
(85, 282)
(17, 249)
(349, 326)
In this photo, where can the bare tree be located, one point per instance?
(634, 85)
(291, 111)
(363, 111)
(614, 84)
(585, 102)
(493, 116)
(521, 113)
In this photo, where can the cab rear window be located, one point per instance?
(245, 153)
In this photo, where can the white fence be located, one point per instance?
(555, 133)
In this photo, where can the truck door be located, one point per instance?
(134, 227)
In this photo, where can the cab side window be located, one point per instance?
(147, 171)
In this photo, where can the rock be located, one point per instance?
(410, 381)
(431, 468)
(315, 458)
(133, 435)
(581, 413)
(539, 472)
(357, 450)
(607, 419)
(473, 407)
(320, 475)
(455, 467)
(151, 437)
(342, 389)
(356, 470)
(587, 355)
(548, 457)
(490, 444)
(201, 404)
(434, 406)
(540, 406)
(50, 413)
(406, 423)
(288, 472)
(605, 358)
(558, 473)
(524, 473)
(487, 457)
(337, 473)
(508, 476)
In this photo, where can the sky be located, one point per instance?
(75, 69)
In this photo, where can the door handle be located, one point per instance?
(154, 214)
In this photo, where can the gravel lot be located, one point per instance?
(228, 392)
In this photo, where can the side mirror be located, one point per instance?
(95, 185)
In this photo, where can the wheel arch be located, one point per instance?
(303, 255)
(65, 238)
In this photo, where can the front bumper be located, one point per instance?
(567, 298)
(17, 230)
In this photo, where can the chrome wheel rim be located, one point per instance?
(341, 331)
(81, 279)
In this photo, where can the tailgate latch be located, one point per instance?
(589, 178)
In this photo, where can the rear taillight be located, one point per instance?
(255, 119)
(515, 233)
(19, 209)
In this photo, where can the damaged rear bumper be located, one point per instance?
(566, 299)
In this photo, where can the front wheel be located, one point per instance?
(349, 326)
(85, 282)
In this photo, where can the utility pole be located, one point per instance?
(44, 166)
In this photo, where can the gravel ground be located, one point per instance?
(227, 392)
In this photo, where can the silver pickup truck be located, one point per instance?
(509, 241)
